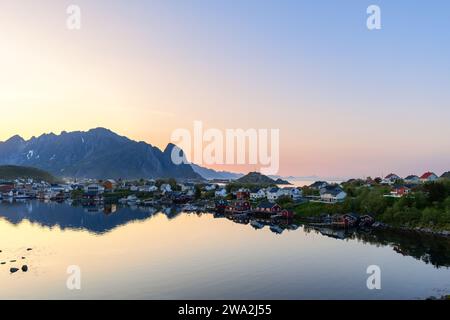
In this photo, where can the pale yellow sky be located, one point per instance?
(144, 70)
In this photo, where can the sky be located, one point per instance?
(349, 102)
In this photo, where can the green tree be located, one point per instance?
(198, 192)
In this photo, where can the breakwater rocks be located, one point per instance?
(440, 233)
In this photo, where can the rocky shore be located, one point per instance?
(15, 268)
(440, 233)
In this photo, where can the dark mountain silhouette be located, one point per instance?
(98, 153)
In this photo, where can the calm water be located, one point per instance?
(143, 254)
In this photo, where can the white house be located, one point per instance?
(428, 177)
(390, 178)
(94, 189)
(412, 179)
(210, 187)
(400, 192)
(61, 188)
(165, 187)
(272, 194)
(332, 193)
(294, 193)
(260, 194)
(186, 187)
(318, 185)
(147, 188)
(221, 193)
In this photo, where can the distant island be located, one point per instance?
(19, 172)
(260, 179)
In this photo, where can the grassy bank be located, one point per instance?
(427, 206)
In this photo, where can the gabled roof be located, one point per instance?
(318, 184)
(401, 188)
(391, 175)
(410, 177)
(334, 192)
(267, 205)
(426, 175)
(333, 189)
(274, 190)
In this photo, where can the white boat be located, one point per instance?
(190, 208)
(21, 196)
(9, 195)
(149, 203)
(132, 200)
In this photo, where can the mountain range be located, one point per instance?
(211, 174)
(98, 153)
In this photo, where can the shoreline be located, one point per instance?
(309, 221)
(422, 230)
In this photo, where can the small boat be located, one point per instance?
(256, 224)
(276, 229)
(240, 216)
(9, 195)
(293, 226)
(132, 200)
(148, 203)
(21, 196)
(190, 208)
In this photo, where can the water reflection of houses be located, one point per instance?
(171, 212)
(107, 209)
(241, 205)
(334, 233)
(110, 209)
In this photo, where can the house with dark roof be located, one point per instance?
(272, 194)
(412, 179)
(268, 207)
(318, 185)
(390, 178)
(332, 194)
(259, 194)
(290, 192)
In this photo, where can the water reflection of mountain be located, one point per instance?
(102, 219)
(424, 247)
(97, 220)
